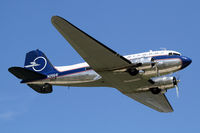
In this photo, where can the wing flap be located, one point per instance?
(96, 54)
(157, 102)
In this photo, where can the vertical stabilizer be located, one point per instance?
(38, 62)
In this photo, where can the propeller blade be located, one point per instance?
(157, 70)
(176, 81)
(177, 90)
(177, 76)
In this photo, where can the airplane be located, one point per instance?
(144, 77)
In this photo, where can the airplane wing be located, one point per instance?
(96, 54)
(128, 85)
(101, 58)
(158, 102)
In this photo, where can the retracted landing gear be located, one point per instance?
(132, 71)
(155, 90)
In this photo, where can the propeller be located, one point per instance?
(176, 81)
(177, 90)
(156, 67)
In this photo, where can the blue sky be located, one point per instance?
(127, 26)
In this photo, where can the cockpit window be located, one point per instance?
(170, 54)
(176, 54)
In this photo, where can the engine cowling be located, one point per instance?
(143, 63)
(164, 82)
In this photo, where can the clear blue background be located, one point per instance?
(128, 26)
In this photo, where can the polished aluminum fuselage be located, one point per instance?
(82, 75)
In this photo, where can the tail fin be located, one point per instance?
(38, 62)
(36, 67)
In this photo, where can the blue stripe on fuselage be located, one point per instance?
(72, 71)
(166, 57)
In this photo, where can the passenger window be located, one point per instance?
(170, 54)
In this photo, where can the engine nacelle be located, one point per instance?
(143, 63)
(164, 82)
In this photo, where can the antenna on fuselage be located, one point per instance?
(164, 49)
(68, 88)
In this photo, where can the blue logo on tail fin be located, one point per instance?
(38, 62)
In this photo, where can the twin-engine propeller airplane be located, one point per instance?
(139, 76)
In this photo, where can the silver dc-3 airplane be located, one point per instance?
(144, 77)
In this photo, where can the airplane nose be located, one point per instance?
(185, 61)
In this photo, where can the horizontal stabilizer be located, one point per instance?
(25, 74)
(43, 89)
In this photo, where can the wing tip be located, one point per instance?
(167, 111)
(56, 18)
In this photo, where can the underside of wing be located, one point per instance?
(96, 54)
(157, 102)
(101, 58)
